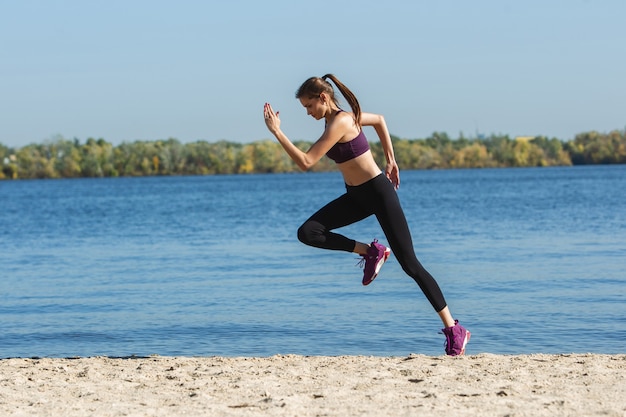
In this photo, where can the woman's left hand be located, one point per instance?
(272, 121)
(393, 173)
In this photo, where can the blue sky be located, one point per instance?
(201, 70)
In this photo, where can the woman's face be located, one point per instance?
(315, 106)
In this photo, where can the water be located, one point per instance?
(530, 260)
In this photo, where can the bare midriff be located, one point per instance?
(359, 170)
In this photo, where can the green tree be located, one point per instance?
(501, 149)
(68, 159)
(98, 159)
(171, 158)
(8, 163)
(34, 161)
(554, 153)
(597, 148)
(473, 155)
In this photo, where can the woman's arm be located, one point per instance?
(377, 121)
(304, 160)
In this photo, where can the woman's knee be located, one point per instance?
(413, 268)
(310, 232)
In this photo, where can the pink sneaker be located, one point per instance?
(376, 256)
(457, 337)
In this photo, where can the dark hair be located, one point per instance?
(315, 86)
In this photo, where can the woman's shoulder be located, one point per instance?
(345, 119)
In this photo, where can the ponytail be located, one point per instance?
(315, 86)
(349, 96)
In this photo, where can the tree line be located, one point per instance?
(63, 158)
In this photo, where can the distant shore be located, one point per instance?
(62, 158)
(291, 385)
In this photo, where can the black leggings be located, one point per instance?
(376, 196)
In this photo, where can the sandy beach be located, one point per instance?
(291, 385)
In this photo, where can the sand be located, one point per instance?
(291, 385)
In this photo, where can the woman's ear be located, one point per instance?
(324, 98)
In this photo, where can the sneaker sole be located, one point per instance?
(467, 339)
(379, 265)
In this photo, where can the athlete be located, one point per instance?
(368, 191)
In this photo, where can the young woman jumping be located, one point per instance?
(368, 191)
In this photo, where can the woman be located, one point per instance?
(368, 192)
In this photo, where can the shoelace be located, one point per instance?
(362, 261)
(449, 341)
(448, 345)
